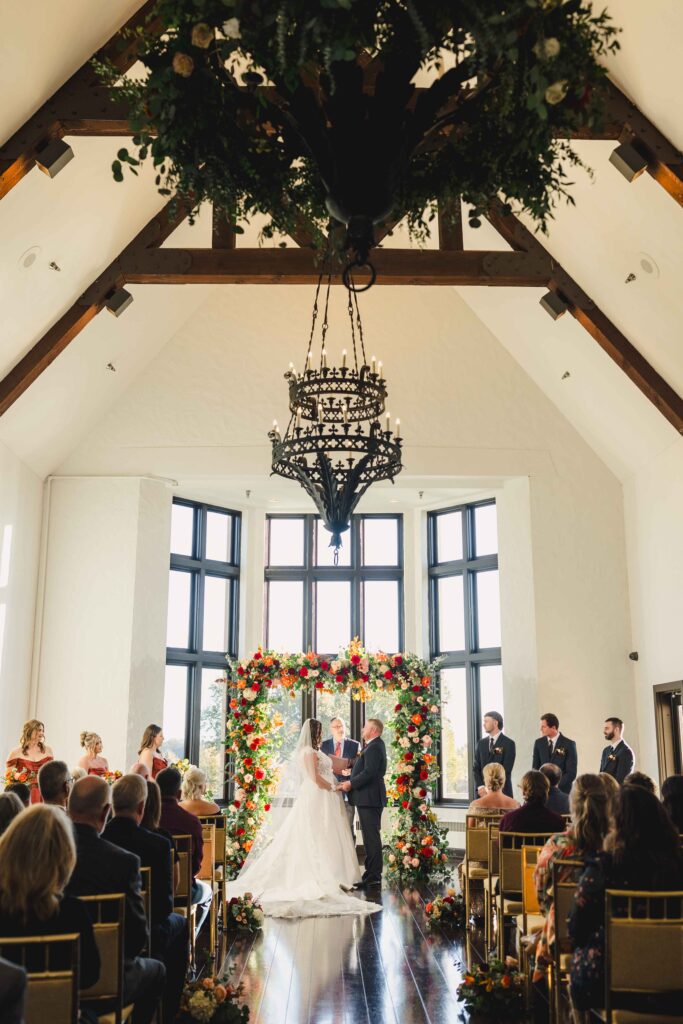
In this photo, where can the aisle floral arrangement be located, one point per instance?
(418, 846)
(494, 990)
(447, 910)
(212, 1001)
(245, 913)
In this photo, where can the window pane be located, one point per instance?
(288, 705)
(333, 705)
(490, 690)
(175, 708)
(380, 542)
(324, 553)
(485, 530)
(488, 609)
(381, 705)
(333, 611)
(381, 615)
(455, 753)
(216, 613)
(211, 730)
(451, 614)
(449, 537)
(182, 529)
(218, 536)
(286, 542)
(285, 616)
(178, 622)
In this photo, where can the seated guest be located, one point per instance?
(92, 761)
(13, 989)
(22, 791)
(54, 782)
(494, 798)
(10, 806)
(169, 930)
(150, 750)
(31, 754)
(641, 779)
(591, 803)
(557, 800)
(37, 856)
(193, 790)
(672, 799)
(103, 868)
(151, 820)
(139, 769)
(533, 815)
(641, 852)
(77, 773)
(180, 822)
(611, 784)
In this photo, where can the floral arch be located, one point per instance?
(417, 847)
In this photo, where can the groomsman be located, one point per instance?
(617, 758)
(494, 748)
(339, 745)
(554, 748)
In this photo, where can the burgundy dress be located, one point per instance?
(158, 765)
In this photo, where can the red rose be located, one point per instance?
(266, 807)
(237, 714)
(397, 708)
(427, 851)
(408, 756)
(405, 805)
(398, 660)
(253, 746)
(255, 686)
(243, 702)
(411, 851)
(236, 803)
(319, 685)
(240, 671)
(269, 682)
(388, 674)
(366, 679)
(411, 728)
(248, 727)
(260, 774)
(240, 831)
(424, 775)
(248, 761)
(417, 689)
(355, 659)
(423, 793)
(257, 656)
(303, 672)
(339, 679)
(325, 666)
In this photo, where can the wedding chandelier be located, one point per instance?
(335, 444)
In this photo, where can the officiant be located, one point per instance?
(339, 746)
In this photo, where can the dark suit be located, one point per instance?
(103, 868)
(618, 762)
(350, 749)
(368, 794)
(564, 756)
(504, 753)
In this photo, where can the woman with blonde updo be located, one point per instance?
(92, 761)
(149, 753)
(494, 798)
(28, 758)
(194, 788)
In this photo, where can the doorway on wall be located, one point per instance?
(669, 726)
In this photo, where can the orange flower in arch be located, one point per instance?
(416, 719)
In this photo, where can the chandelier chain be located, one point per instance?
(360, 328)
(353, 330)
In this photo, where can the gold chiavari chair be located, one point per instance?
(531, 920)
(146, 893)
(52, 992)
(182, 899)
(475, 865)
(107, 914)
(509, 899)
(220, 821)
(207, 873)
(491, 881)
(565, 876)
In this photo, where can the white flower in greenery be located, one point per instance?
(250, 694)
(335, 666)
(417, 791)
(423, 808)
(546, 49)
(404, 686)
(404, 741)
(433, 709)
(248, 778)
(415, 862)
(556, 92)
(231, 28)
(426, 741)
(415, 738)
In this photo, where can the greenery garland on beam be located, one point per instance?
(417, 848)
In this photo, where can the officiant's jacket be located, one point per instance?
(564, 756)
(367, 776)
(618, 762)
(504, 753)
(350, 748)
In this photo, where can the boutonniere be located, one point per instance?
(611, 757)
(560, 750)
(497, 750)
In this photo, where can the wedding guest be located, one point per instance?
(672, 800)
(611, 784)
(533, 815)
(557, 800)
(92, 761)
(10, 806)
(151, 819)
(339, 745)
(22, 791)
(180, 822)
(494, 797)
(103, 868)
(494, 748)
(150, 750)
(641, 779)
(37, 857)
(193, 790)
(554, 748)
(170, 938)
(139, 769)
(642, 852)
(54, 781)
(617, 758)
(78, 773)
(31, 754)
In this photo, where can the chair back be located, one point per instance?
(565, 877)
(529, 894)
(494, 847)
(643, 943)
(106, 913)
(146, 893)
(511, 844)
(220, 821)
(477, 838)
(51, 964)
(207, 870)
(183, 893)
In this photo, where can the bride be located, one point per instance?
(304, 854)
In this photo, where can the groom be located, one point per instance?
(367, 792)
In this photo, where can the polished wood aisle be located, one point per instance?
(385, 968)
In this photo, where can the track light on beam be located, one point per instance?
(118, 301)
(53, 157)
(628, 161)
(554, 305)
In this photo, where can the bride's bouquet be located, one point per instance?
(245, 912)
(212, 1001)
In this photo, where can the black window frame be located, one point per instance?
(194, 658)
(471, 658)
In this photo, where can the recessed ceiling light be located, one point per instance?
(648, 265)
(28, 258)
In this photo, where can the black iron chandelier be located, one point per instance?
(335, 444)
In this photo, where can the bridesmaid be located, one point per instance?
(150, 750)
(30, 756)
(92, 761)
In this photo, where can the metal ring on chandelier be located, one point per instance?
(360, 265)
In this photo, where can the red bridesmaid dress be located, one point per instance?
(158, 765)
(23, 764)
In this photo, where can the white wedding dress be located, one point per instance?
(304, 850)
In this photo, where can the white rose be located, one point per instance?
(335, 666)
(392, 858)
(404, 741)
(404, 686)
(427, 741)
(415, 862)
(249, 695)
(406, 861)
(417, 791)
(433, 709)
(423, 807)
(415, 738)
(551, 47)
(231, 28)
(556, 92)
(248, 778)
(409, 768)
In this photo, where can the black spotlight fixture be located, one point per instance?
(54, 156)
(628, 161)
(553, 304)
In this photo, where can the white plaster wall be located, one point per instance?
(654, 507)
(21, 497)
